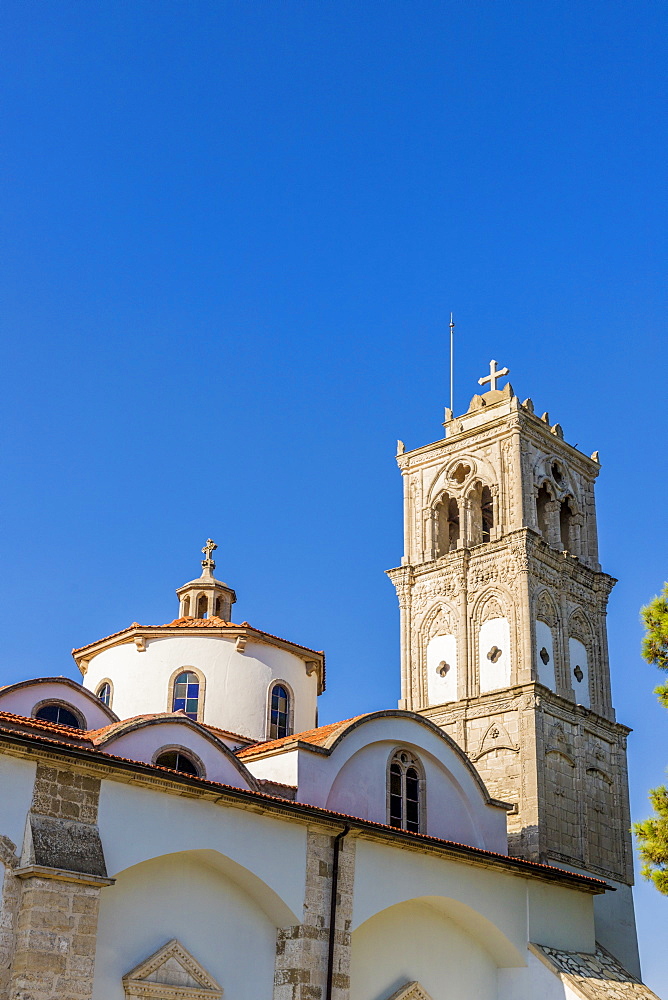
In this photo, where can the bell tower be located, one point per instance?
(503, 634)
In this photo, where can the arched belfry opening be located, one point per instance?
(447, 525)
(453, 523)
(481, 522)
(543, 499)
(566, 514)
(486, 513)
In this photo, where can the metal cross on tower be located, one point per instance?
(494, 375)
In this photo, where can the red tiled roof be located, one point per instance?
(212, 622)
(56, 728)
(96, 736)
(522, 866)
(317, 737)
(226, 734)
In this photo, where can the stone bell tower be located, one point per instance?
(503, 634)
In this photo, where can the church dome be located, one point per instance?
(234, 677)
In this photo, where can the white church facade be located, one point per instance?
(178, 825)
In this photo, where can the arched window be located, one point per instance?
(405, 786)
(185, 610)
(186, 694)
(177, 760)
(104, 693)
(55, 712)
(202, 606)
(279, 712)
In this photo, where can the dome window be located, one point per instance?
(186, 694)
(60, 714)
(177, 760)
(104, 693)
(279, 712)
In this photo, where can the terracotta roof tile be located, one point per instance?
(317, 737)
(226, 734)
(212, 622)
(28, 722)
(473, 852)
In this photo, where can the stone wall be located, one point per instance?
(561, 766)
(9, 907)
(51, 897)
(302, 950)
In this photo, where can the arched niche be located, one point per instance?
(190, 896)
(602, 835)
(430, 939)
(580, 658)
(441, 666)
(546, 621)
(492, 626)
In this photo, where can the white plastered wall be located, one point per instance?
(17, 778)
(545, 640)
(22, 700)
(494, 632)
(534, 981)
(353, 780)
(267, 855)
(185, 896)
(442, 688)
(417, 941)
(144, 742)
(503, 910)
(237, 683)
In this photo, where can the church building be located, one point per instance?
(177, 826)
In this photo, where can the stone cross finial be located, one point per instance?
(208, 551)
(494, 375)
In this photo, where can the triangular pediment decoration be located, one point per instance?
(411, 991)
(496, 737)
(171, 973)
(558, 742)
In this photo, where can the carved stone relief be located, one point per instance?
(495, 738)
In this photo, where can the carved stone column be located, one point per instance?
(576, 535)
(465, 523)
(552, 509)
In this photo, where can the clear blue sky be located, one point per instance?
(232, 233)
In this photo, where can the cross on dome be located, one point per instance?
(494, 375)
(209, 548)
(208, 551)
